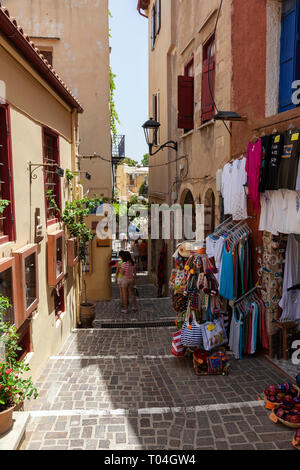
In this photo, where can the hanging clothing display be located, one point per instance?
(280, 212)
(234, 179)
(288, 168)
(290, 302)
(248, 326)
(266, 142)
(253, 167)
(274, 152)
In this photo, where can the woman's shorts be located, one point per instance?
(126, 282)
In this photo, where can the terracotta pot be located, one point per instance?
(6, 420)
(87, 314)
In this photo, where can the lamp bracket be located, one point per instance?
(35, 166)
(171, 144)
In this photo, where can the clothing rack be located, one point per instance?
(246, 295)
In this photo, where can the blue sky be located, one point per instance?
(129, 61)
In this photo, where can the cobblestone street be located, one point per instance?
(116, 387)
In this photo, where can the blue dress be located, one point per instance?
(226, 282)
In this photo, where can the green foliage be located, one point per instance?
(3, 204)
(69, 175)
(143, 191)
(74, 216)
(13, 388)
(145, 160)
(129, 162)
(114, 118)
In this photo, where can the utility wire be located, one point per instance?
(150, 166)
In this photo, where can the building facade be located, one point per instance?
(39, 124)
(73, 36)
(190, 70)
(129, 181)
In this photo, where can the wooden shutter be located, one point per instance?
(153, 28)
(288, 53)
(185, 102)
(208, 90)
(158, 16)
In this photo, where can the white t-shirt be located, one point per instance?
(280, 210)
(227, 187)
(290, 302)
(266, 216)
(293, 212)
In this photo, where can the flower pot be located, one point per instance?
(87, 314)
(6, 420)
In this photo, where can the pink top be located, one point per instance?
(128, 269)
(253, 166)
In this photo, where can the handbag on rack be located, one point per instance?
(213, 334)
(191, 334)
(177, 349)
(180, 303)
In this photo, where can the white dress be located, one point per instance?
(238, 195)
(226, 189)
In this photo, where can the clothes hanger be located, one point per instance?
(274, 131)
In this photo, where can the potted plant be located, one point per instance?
(73, 217)
(14, 388)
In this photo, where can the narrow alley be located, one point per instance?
(117, 386)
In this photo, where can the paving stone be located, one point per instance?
(105, 384)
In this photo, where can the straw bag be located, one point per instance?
(191, 335)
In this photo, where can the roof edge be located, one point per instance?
(15, 35)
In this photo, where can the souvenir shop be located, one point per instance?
(239, 289)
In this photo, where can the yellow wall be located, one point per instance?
(31, 107)
(77, 33)
(125, 190)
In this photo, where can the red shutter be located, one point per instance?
(185, 103)
(208, 90)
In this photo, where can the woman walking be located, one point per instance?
(128, 281)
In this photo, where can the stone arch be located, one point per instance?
(209, 212)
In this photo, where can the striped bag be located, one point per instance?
(177, 349)
(191, 334)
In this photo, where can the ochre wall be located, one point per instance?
(31, 106)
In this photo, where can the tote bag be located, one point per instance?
(214, 334)
(191, 334)
(177, 349)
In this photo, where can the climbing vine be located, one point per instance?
(114, 118)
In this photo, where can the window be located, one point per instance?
(24, 342)
(73, 251)
(52, 180)
(55, 257)
(132, 180)
(155, 21)
(8, 287)
(48, 55)
(208, 81)
(155, 112)
(289, 53)
(28, 286)
(7, 220)
(186, 98)
(59, 302)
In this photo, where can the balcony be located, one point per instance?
(118, 149)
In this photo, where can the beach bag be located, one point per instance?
(191, 334)
(217, 362)
(213, 334)
(177, 349)
(178, 280)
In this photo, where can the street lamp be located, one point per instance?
(151, 127)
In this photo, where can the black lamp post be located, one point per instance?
(152, 125)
